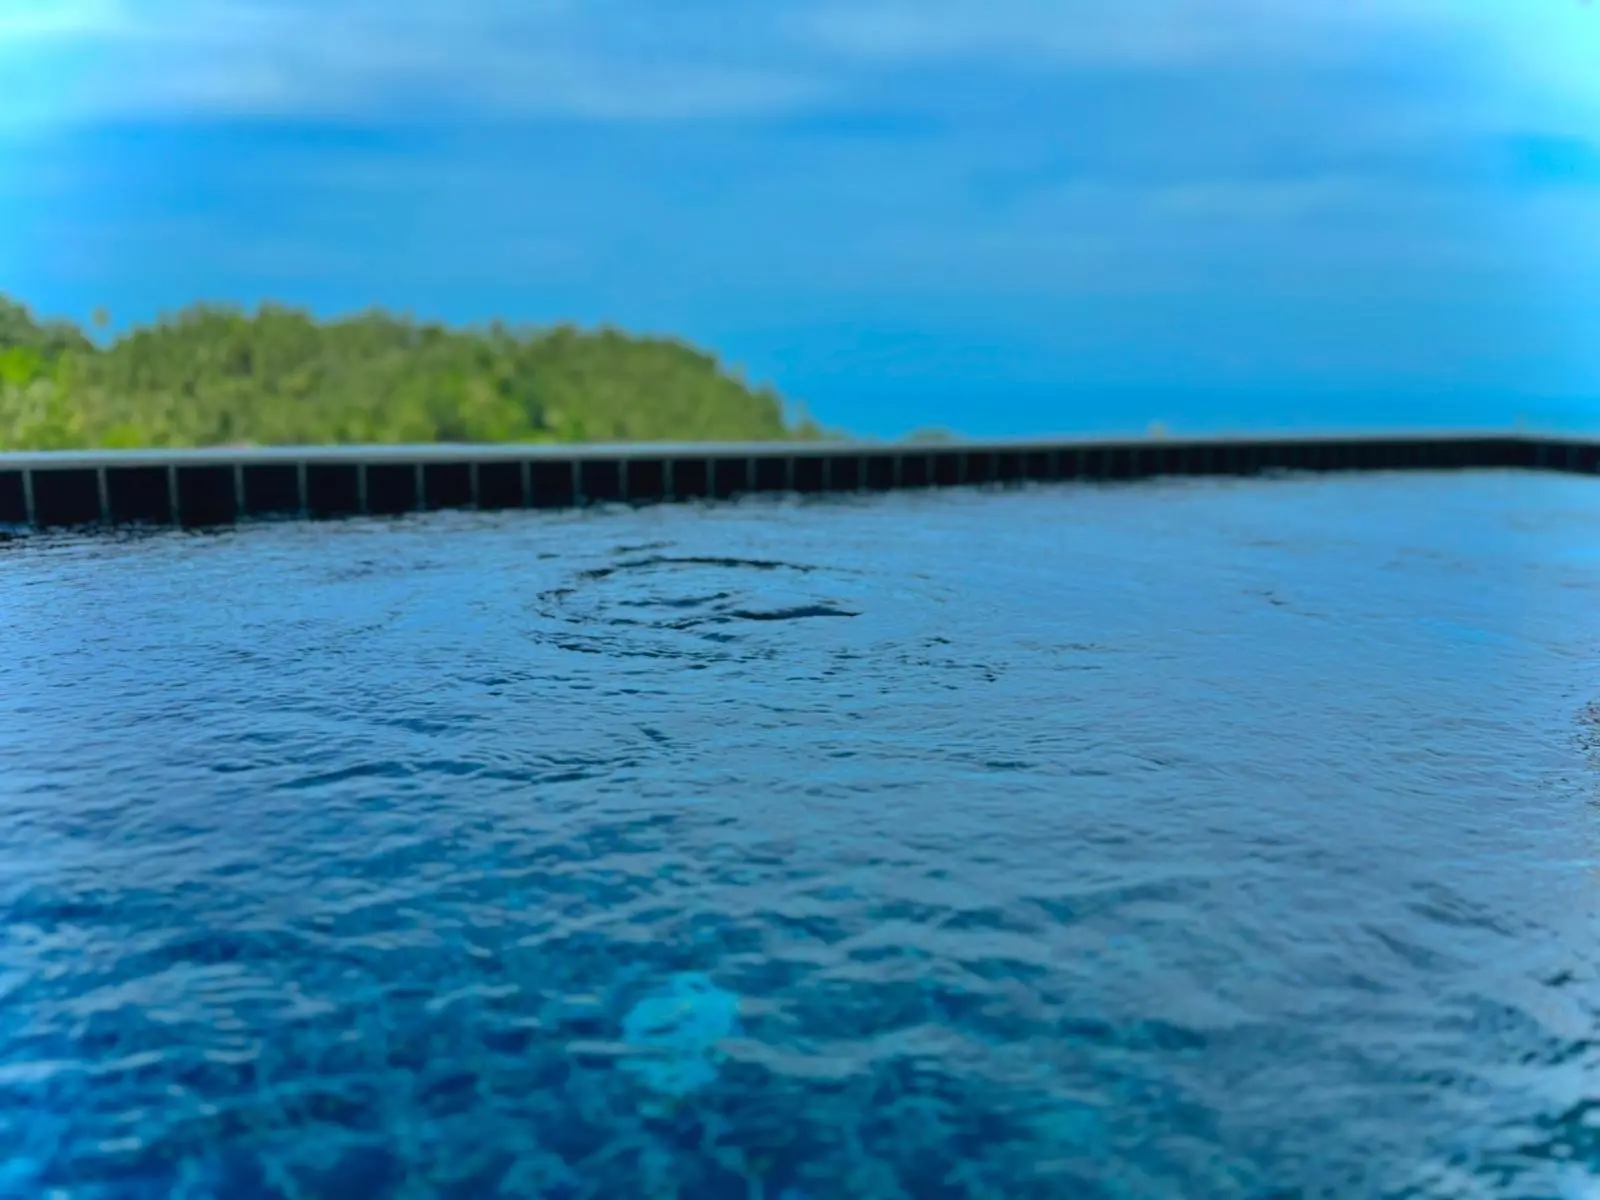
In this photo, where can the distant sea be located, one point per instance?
(896, 409)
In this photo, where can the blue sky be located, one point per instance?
(1003, 216)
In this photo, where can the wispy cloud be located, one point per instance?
(356, 58)
(639, 60)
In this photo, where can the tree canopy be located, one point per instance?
(215, 375)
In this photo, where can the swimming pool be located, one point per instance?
(1197, 838)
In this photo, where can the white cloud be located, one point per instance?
(643, 60)
(323, 57)
(1536, 60)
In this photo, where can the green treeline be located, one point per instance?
(218, 376)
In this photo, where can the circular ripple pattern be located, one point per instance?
(1223, 841)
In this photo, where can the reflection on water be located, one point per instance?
(1220, 840)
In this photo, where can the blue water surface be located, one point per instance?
(1202, 839)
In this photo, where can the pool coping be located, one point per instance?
(219, 486)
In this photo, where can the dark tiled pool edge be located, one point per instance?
(221, 486)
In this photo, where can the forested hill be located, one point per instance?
(276, 376)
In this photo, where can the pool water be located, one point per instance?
(1193, 839)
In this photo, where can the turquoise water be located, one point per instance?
(1203, 839)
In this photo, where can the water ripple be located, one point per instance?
(1233, 841)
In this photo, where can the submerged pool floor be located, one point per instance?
(1196, 839)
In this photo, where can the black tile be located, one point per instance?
(13, 499)
(647, 480)
(332, 489)
(772, 474)
(844, 473)
(1367, 456)
(271, 489)
(1520, 452)
(206, 496)
(446, 485)
(138, 495)
(66, 497)
(729, 477)
(808, 474)
(499, 485)
(1280, 456)
(391, 488)
(552, 484)
(691, 479)
(602, 480)
(879, 472)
